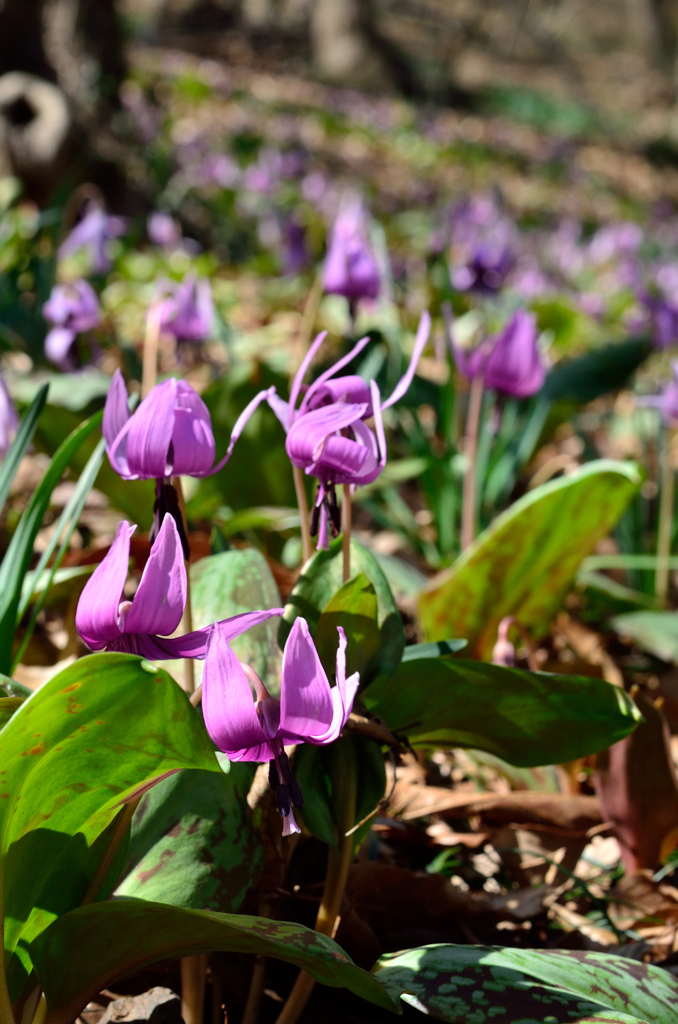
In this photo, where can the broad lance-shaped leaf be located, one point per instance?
(489, 983)
(192, 843)
(654, 631)
(320, 580)
(354, 608)
(228, 584)
(526, 561)
(78, 747)
(526, 718)
(85, 951)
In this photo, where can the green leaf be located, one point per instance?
(230, 583)
(86, 950)
(436, 649)
(656, 632)
(520, 986)
(18, 555)
(19, 445)
(354, 609)
(526, 561)
(192, 841)
(8, 705)
(80, 746)
(526, 718)
(320, 580)
(598, 372)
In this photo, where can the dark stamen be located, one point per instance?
(167, 503)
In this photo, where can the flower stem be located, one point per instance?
(338, 864)
(117, 836)
(665, 526)
(187, 620)
(346, 526)
(468, 515)
(306, 543)
(149, 366)
(193, 979)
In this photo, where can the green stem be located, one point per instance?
(346, 528)
(468, 515)
(665, 526)
(338, 865)
(306, 543)
(117, 836)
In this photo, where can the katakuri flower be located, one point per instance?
(93, 233)
(169, 434)
(350, 267)
(327, 436)
(163, 230)
(9, 419)
(72, 308)
(106, 621)
(309, 710)
(515, 365)
(187, 310)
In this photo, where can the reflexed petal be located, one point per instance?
(148, 433)
(192, 436)
(341, 455)
(339, 365)
(301, 373)
(227, 703)
(308, 433)
(193, 645)
(343, 389)
(96, 618)
(343, 695)
(403, 384)
(160, 598)
(240, 424)
(116, 410)
(305, 700)
(281, 410)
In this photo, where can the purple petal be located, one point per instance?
(344, 389)
(239, 427)
(192, 436)
(401, 387)
(343, 695)
(148, 433)
(281, 410)
(309, 432)
(9, 420)
(301, 372)
(515, 366)
(116, 409)
(339, 365)
(193, 645)
(96, 618)
(161, 596)
(227, 703)
(343, 456)
(58, 344)
(306, 708)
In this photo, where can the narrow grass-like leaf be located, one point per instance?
(19, 446)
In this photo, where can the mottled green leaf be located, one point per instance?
(526, 718)
(656, 632)
(77, 748)
(84, 951)
(526, 561)
(192, 841)
(228, 584)
(320, 580)
(485, 984)
(8, 705)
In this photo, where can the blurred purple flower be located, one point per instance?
(9, 420)
(106, 621)
(295, 253)
(169, 434)
(72, 308)
(350, 267)
(483, 246)
(92, 233)
(663, 316)
(515, 366)
(666, 401)
(309, 710)
(163, 230)
(615, 241)
(327, 436)
(187, 311)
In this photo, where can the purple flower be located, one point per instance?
(93, 233)
(295, 253)
(483, 242)
(663, 315)
(9, 420)
(163, 230)
(666, 401)
(327, 435)
(106, 621)
(309, 710)
(350, 267)
(515, 366)
(72, 308)
(170, 434)
(188, 312)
